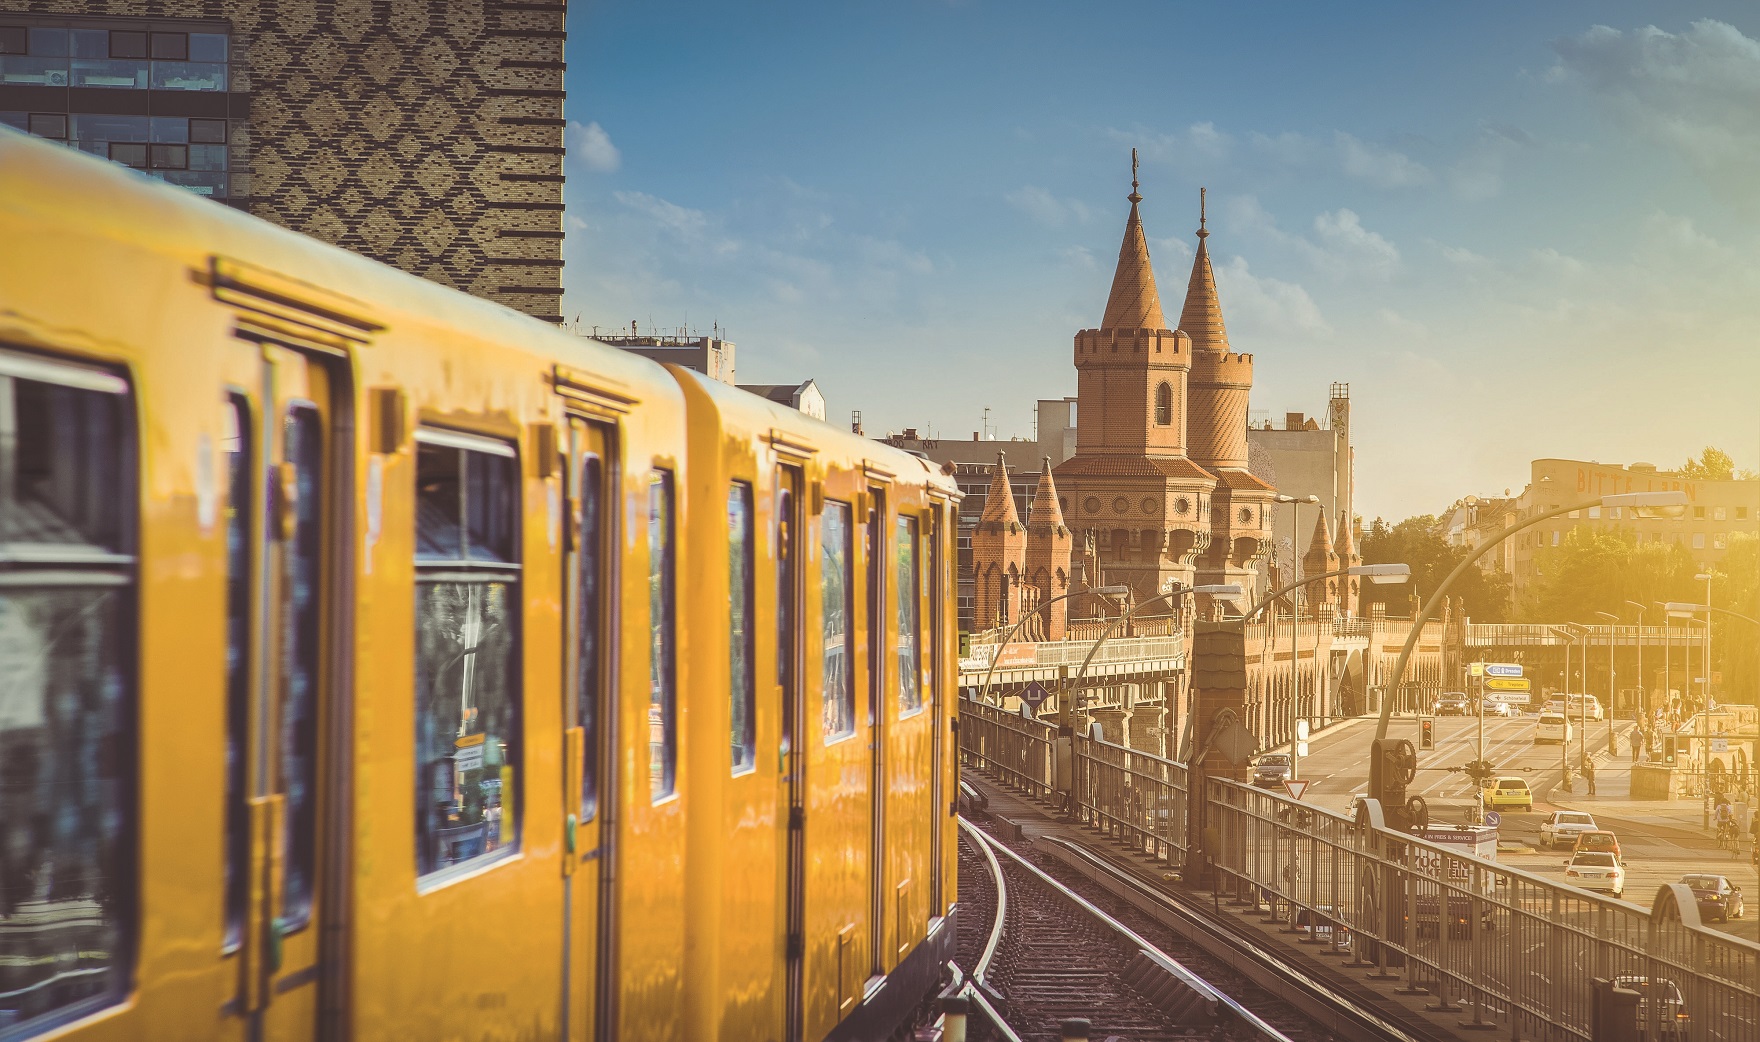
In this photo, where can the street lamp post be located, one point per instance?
(1574, 634)
(1295, 626)
(1612, 691)
(1705, 577)
(1642, 504)
(1643, 685)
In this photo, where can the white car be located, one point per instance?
(1552, 727)
(1584, 707)
(1501, 709)
(1597, 870)
(1561, 828)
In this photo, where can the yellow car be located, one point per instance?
(1509, 792)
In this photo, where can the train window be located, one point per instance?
(662, 705)
(588, 659)
(467, 650)
(910, 681)
(835, 584)
(742, 689)
(301, 574)
(236, 444)
(67, 706)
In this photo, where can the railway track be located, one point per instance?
(1062, 953)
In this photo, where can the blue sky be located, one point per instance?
(1516, 230)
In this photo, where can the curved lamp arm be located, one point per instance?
(1081, 674)
(1429, 609)
(1022, 621)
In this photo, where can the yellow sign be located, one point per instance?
(1507, 684)
(1476, 669)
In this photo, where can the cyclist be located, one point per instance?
(1725, 820)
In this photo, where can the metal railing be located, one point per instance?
(1494, 634)
(1499, 945)
(1015, 750)
(1136, 798)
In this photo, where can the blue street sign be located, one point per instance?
(1503, 669)
(1034, 693)
(1493, 818)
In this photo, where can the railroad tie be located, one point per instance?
(1166, 992)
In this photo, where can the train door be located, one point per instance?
(877, 648)
(786, 520)
(283, 474)
(588, 774)
(940, 735)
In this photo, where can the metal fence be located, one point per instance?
(1492, 945)
(1016, 750)
(1136, 798)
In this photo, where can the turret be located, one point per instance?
(1319, 560)
(1220, 380)
(999, 547)
(1048, 553)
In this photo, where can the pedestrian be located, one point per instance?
(1589, 775)
(1637, 745)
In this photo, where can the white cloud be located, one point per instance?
(1045, 208)
(1696, 93)
(691, 226)
(1364, 252)
(589, 145)
(1200, 139)
(1478, 172)
(1259, 305)
(1462, 256)
(1380, 166)
(1401, 326)
(575, 224)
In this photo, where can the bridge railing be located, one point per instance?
(1017, 751)
(1136, 798)
(1512, 949)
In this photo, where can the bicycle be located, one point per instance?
(1728, 838)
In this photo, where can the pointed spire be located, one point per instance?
(1347, 545)
(1045, 511)
(1320, 550)
(1133, 302)
(999, 501)
(1201, 318)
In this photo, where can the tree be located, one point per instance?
(1713, 464)
(1414, 542)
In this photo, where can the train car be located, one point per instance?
(378, 663)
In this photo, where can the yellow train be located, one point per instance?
(379, 664)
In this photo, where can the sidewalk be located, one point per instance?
(1613, 783)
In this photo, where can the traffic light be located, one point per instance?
(1427, 733)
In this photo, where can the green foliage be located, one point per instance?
(1713, 464)
(1414, 542)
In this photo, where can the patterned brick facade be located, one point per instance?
(426, 135)
(1047, 557)
(999, 553)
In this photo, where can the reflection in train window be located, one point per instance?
(835, 584)
(467, 651)
(910, 690)
(67, 703)
(742, 688)
(662, 670)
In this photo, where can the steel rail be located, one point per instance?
(981, 972)
(1191, 980)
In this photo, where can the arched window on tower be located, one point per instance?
(1164, 405)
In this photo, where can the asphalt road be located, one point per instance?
(1660, 841)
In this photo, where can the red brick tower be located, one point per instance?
(1319, 560)
(1048, 552)
(1134, 498)
(999, 552)
(1216, 433)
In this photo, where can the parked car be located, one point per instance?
(1509, 792)
(1718, 898)
(1583, 707)
(1552, 728)
(1502, 709)
(1598, 840)
(1673, 1014)
(1562, 827)
(1594, 870)
(1452, 703)
(1270, 770)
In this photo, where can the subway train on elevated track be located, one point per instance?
(377, 663)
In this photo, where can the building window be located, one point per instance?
(1720, 541)
(1555, 539)
(1614, 512)
(1163, 405)
(1698, 540)
(1719, 513)
(1741, 513)
(191, 152)
(1595, 513)
(1698, 513)
(467, 649)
